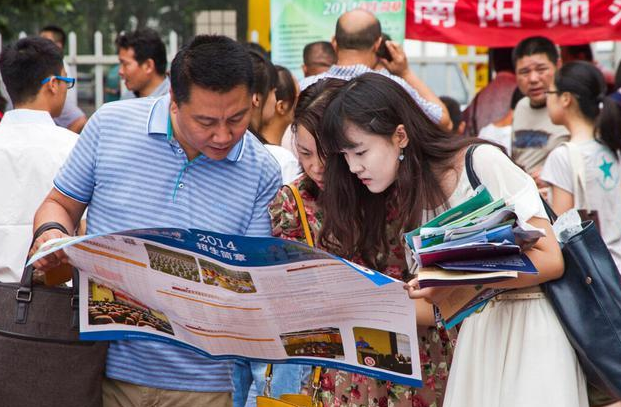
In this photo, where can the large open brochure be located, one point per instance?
(258, 298)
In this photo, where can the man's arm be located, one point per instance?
(77, 125)
(399, 67)
(61, 209)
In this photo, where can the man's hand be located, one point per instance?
(399, 64)
(51, 260)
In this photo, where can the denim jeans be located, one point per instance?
(249, 380)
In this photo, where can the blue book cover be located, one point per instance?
(519, 262)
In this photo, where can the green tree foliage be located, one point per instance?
(85, 17)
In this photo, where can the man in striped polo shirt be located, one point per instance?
(182, 160)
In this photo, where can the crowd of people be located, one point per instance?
(116, 312)
(216, 143)
(174, 264)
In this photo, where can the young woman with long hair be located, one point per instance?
(382, 152)
(339, 387)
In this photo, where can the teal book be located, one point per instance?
(478, 201)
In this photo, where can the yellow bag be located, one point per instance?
(291, 400)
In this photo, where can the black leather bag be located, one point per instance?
(42, 360)
(587, 301)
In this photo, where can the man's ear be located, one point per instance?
(51, 86)
(334, 45)
(305, 70)
(402, 136)
(174, 106)
(148, 66)
(377, 45)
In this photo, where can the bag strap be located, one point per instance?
(475, 181)
(302, 213)
(316, 372)
(472, 176)
(23, 295)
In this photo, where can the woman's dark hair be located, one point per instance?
(285, 86)
(586, 82)
(263, 71)
(311, 106)
(355, 218)
(609, 122)
(264, 78)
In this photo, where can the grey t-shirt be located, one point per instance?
(602, 186)
(534, 136)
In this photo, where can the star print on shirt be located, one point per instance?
(605, 167)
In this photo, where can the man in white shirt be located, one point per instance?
(32, 146)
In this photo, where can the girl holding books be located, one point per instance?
(436, 349)
(382, 151)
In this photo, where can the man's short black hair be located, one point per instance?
(146, 44)
(213, 62)
(26, 63)
(535, 45)
(318, 49)
(363, 39)
(57, 32)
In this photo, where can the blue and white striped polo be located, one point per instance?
(132, 176)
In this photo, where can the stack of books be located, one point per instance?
(478, 242)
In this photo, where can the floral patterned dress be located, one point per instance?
(339, 388)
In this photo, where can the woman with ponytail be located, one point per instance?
(577, 100)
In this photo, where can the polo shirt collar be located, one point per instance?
(158, 125)
(21, 116)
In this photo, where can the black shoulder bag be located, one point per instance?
(42, 360)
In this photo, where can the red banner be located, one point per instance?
(503, 23)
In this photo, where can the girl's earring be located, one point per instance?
(401, 156)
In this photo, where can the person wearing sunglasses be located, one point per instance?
(32, 146)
